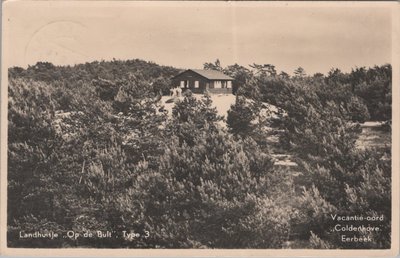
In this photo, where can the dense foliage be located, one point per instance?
(91, 148)
(317, 119)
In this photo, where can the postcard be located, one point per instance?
(200, 128)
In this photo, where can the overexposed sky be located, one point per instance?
(187, 34)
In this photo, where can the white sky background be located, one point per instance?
(188, 34)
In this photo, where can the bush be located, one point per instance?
(357, 110)
(212, 193)
(240, 116)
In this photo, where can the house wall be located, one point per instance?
(220, 84)
(190, 80)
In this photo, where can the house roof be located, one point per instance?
(210, 74)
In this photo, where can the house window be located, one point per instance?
(196, 84)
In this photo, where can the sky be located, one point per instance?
(186, 34)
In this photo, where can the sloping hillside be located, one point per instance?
(222, 102)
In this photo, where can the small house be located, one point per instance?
(198, 81)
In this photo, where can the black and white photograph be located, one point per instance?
(197, 125)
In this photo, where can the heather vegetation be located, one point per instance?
(91, 148)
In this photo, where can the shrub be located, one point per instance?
(357, 110)
(240, 116)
